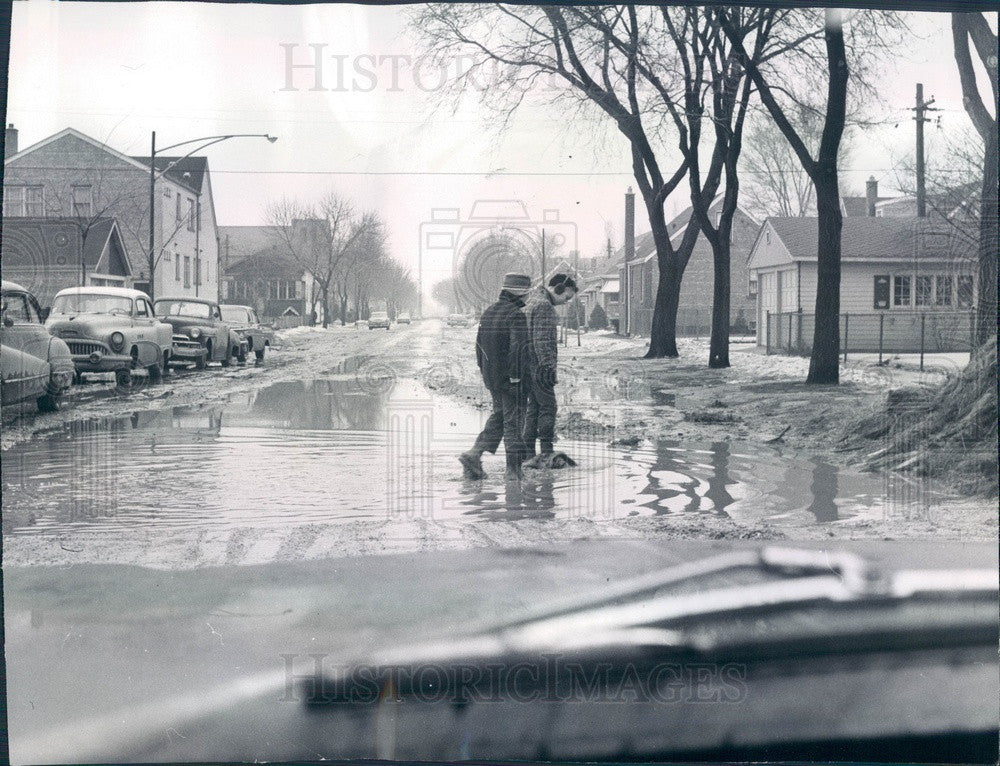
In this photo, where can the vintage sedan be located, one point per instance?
(244, 321)
(200, 334)
(111, 329)
(34, 364)
(378, 319)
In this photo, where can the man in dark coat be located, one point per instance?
(501, 353)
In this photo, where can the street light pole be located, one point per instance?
(153, 175)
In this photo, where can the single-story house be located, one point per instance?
(47, 255)
(894, 270)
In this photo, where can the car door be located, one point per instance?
(221, 344)
(26, 369)
(144, 326)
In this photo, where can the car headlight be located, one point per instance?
(117, 341)
(195, 333)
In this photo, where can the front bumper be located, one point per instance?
(378, 325)
(94, 356)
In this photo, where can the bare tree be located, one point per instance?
(569, 46)
(318, 238)
(775, 182)
(822, 171)
(974, 26)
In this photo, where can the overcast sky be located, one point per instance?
(116, 71)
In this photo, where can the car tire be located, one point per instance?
(201, 362)
(123, 379)
(49, 402)
(241, 357)
(77, 378)
(259, 353)
(155, 372)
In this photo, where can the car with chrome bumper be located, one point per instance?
(378, 320)
(243, 320)
(200, 335)
(111, 329)
(34, 365)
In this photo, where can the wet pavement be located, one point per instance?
(371, 439)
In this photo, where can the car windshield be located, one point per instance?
(183, 309)
(235, 313)
(91, 303)
(379, 315)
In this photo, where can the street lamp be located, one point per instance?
(153, 175)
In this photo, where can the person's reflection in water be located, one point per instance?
(718, 480)
(824, 492)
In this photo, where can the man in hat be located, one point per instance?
(540, 308)
(501, 353)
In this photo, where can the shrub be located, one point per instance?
(598, 318)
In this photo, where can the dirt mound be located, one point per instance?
(947, 432)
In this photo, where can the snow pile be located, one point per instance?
(947, 432)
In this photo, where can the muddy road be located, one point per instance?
(343, 442)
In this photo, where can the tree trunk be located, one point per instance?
(986, 305)
(326, 305)
(824, 364)
(343, 310)
(663, 331)
(718, 353)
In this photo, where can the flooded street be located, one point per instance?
(375, 438)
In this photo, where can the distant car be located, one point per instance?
(403, 318)
(244, 322)
(457, 320)
(199, 333)
(111, 329)
(378, 319)
(33, 363)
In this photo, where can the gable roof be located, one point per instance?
(140, 163)
(867, 238)
(57, 241)
(187, 171)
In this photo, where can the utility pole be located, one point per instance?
(921, 108)
(626, 321)
(576, 297)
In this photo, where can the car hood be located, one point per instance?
(181, 322)
(86, 325)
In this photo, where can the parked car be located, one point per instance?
(457, 320)
(111, 329)
(403, 318)
(244, 321)
(34, 365)
(378, 319)
(199, 333)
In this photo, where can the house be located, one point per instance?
(601, 290)
(49, 254)
(258, 271)
(895, 273)
(70, 175)
(694, 314)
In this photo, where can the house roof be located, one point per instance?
(857, 207)
(867, 238)
(39, 235)
(187, 171)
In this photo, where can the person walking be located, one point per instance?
(540, 418)
(501, 354)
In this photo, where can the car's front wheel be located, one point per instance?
(123, 379)
(49, 402)
(155, 372)
(259, 353)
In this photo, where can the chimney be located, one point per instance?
(871, 195)
(10, 141)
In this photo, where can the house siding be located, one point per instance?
(120, 189)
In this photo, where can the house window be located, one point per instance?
(901, 291)
(942, 290)
(83, 201)
(21, 201)
(177, 269)
(178, 215)
(187, 270)
(924, 291)
(190, 215)
(965, 291)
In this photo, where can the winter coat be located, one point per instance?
(501, 343)
(542, 329)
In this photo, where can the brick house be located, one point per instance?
(47, 255)
(694, 314)
(257, 271)
(72, 176)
